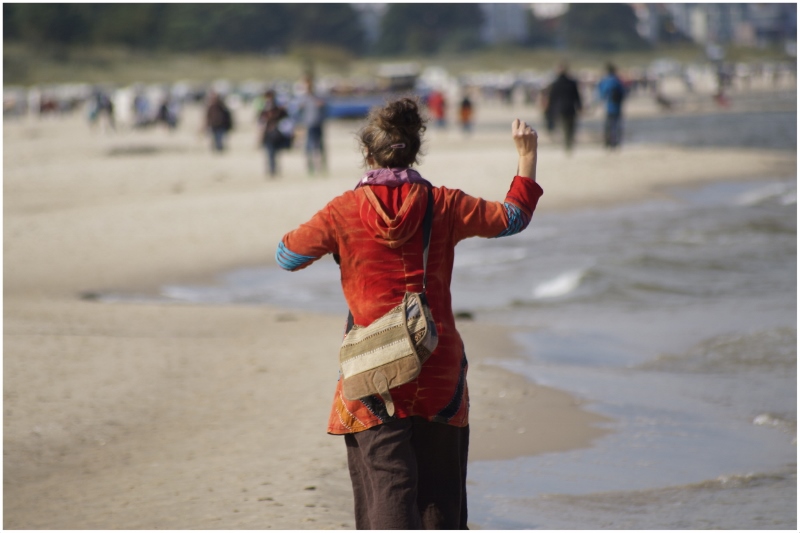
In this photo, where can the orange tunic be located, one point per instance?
(377, 232)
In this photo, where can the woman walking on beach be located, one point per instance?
(408, 458)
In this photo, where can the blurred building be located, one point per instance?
(753, 24)
(773, 22)
(371, 16)
(504, 23)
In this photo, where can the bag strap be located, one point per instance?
(427, 229)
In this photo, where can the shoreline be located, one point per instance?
(213, 416)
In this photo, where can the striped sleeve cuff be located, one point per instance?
(288, 260)
(517, 220)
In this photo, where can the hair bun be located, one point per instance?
(393, 133)
(400, 115)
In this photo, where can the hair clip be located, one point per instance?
(400, 145)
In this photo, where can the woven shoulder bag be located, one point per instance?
(391, 350)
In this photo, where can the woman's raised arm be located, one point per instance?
(526, 140)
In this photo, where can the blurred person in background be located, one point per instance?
(465, 114)
(272, 137)
(438, 107)
(101, 109)
(612, 91)
(311, 116)
(141, 109)
(168, 113)
(564, 104)
(219, 121)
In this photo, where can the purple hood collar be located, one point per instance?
(392, 177)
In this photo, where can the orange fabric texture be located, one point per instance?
(377, 233)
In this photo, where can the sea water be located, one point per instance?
(676, 319)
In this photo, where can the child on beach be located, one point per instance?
(408, 463)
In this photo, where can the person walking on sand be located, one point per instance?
(312, 114)
(407, 458)
(438, 108)
(168, 113)
(273, 139)
(465, 114)
(219, 121)
(102, 108)
(564, 104)
(611, 90)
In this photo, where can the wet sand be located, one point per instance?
(142, 416)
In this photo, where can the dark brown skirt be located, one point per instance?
(409, 474)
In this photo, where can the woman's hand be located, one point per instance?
(526, 140)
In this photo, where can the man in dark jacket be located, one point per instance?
(564, 104)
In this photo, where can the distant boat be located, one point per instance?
(352, 106)
(358, 106)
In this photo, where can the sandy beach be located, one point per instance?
(146, 416)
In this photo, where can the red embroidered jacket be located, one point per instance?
(377, 232)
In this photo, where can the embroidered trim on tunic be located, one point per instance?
(517, 220)
(288, 260)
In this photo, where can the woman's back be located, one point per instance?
(376, 231)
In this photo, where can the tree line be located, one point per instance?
(417, 29)
(184, 27)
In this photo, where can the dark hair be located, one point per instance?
(611, 69)
(393, 134)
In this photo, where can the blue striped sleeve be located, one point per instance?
(288, 260)
(517, 220)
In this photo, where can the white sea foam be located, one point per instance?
(783, 192)
(775, 421)
(561, 285)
